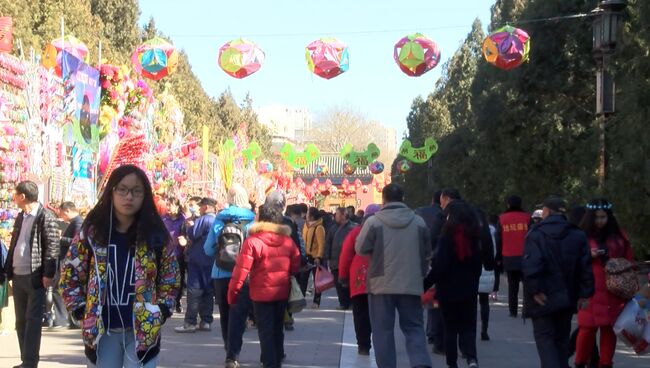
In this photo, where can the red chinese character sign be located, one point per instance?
(416, 54)
(155, 59)
(418, 155)
(507, 48)
(240, 58)
(327, 57)
(53, 52)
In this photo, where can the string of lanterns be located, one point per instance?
(415, 55)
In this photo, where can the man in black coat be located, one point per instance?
(333, 246)
(55, 308)
(557, 278)
(31, 264)
(434, 218)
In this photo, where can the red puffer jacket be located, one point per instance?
(352, 266)
(270, 257)
(604, 307)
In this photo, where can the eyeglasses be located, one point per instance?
(136, 192)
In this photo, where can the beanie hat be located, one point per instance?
(556, 204)
(238, 197)
(276, 200)
(371, 210)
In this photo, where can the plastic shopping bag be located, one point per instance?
(323, 280)
(297, 300)
(633, 327)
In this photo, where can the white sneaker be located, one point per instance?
(232, 363)
(185, 328)
(204, 326)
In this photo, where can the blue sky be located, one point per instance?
(374, 84)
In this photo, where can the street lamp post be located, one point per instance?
(606, 32)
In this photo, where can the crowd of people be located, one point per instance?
(121, 272)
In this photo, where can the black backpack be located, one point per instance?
(229, 244)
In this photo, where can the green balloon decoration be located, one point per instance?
(299, 160)
(421, 154)
(252, 152)
(358, 159)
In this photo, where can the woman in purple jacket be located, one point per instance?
(174, 220)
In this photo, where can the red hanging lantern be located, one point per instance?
(6, 34)
(59, 154)
(358, 183)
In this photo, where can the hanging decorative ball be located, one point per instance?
(404, 166)
(54, 50)
(416, 54)
(327, 57)
(322, 170)
(264, 167)
(376, 167)
(240, 58)
(507, 48)
(348, 169)
(155, 59)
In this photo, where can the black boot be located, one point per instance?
(484, 334)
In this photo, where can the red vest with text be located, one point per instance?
(514, 227)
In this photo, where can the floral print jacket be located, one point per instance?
(156, 285)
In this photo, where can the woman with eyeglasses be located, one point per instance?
(120, 278)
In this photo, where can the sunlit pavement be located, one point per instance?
(322, 338)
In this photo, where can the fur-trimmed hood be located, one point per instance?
(260, 227)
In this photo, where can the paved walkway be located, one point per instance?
(323, 338)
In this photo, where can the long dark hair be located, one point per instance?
(588, 223)
(148, 227)
(463, 228)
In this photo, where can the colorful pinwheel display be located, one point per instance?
(416, 54)
(240, 58)
(507, 48)
(53, 50)
(327, 57)
(155, 59)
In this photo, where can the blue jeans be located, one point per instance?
(118, 350)
(411, 322)
(199, 302)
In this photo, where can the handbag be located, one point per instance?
(323, 280)
(297, 300)
(620, 278)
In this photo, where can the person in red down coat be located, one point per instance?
(270, 257)
(607, 241)
(352, 272)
